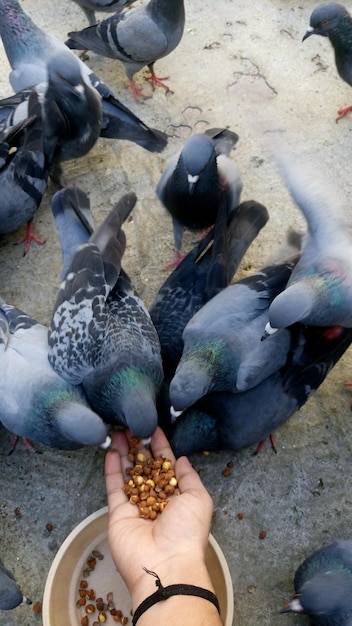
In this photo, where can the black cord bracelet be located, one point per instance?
(163, 593)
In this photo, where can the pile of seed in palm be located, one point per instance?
(151, 481)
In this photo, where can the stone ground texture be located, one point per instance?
(241, 65)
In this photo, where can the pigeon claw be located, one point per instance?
(175, 261)
(28, 238)
(342, 112)
(137, 92)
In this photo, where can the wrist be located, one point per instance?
(176, 570)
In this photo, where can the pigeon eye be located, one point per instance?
(325, 22)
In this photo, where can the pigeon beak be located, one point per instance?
(192, 181)
(293, 607)
(269, 330)
(107, 444)
(175, 414)
(25, 601)
(309, 32)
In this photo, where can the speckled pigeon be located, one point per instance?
(28, 49)
(319, 291)
(323, 586)
(35, 402)
(89, 7)
(332, 20)
(10, 593)
(193, 180)
(101, 334)
(136, 37)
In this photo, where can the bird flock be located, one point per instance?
(219, 362)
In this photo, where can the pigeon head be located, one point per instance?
(126, 398)
(326, 595)
(197, 156)
(292, 305)
(325, 19)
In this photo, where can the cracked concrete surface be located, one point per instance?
(244, 66)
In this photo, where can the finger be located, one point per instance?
(114, 471)
(160, 445)
(188, 479)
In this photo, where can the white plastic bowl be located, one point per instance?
(61, 588)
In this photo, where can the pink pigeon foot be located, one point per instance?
(261, 444)
(27, 442)
(175, 262)
(157, 81)
(342, 112)
(137, 93)
(28, 238)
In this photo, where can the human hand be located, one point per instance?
(174, 544)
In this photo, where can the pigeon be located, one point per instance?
(24, 170)
(28, 49)
(203, 273)
(74, 222)
(191, 184)
(332, 20)
(71, 111)
(137, 37)
(319, 291)
(35, 402)
(101, 334)
(222, 348)
(223, 420)
(323, 586)
(10, 593)
(106, 6)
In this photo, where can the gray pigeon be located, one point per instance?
(35, 402)
(10, 593)
(101, 334)
(24, 170)
(106, 6)
(137, 37)
(231, 421)
(222, 348)
(193, 180)
(332, 20)
(323, 586)
(319, 291)
(28, 49)
(71, 112)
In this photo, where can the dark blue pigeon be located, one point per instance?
(203, 273)
(24, 171)
(193, 181)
